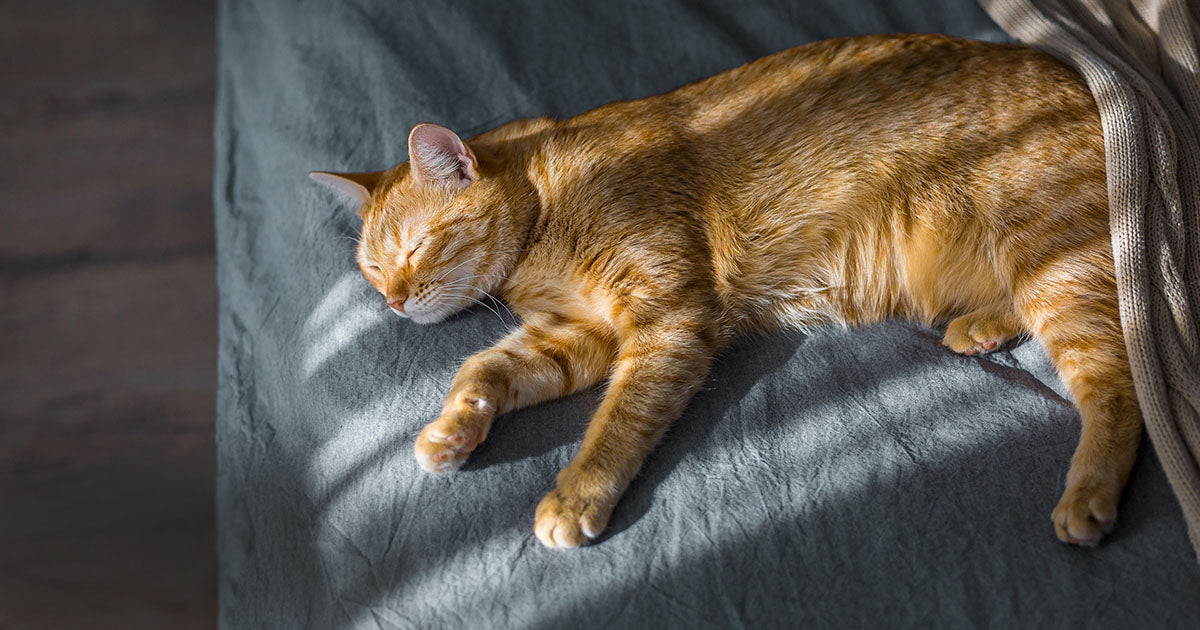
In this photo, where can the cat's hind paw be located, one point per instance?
(565, 521)
(975, 333)
(444, 445)
(1086, 512)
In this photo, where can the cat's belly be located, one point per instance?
(927, 275)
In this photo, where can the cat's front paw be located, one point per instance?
(445, 443)
(566, 519)
(1086, 512)
(974, 334)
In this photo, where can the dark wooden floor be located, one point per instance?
(107, 315)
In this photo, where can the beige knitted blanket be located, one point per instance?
(1139, 57)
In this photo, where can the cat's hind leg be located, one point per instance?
(1069, 303)
(981, 331)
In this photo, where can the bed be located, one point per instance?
(846, 477)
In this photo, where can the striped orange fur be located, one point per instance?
(852, 180)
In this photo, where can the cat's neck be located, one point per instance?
(518, 201)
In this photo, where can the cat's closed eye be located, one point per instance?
(412, 249)
(373, 273)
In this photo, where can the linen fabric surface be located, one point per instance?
(848, 477)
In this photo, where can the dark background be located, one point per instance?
(107, 314)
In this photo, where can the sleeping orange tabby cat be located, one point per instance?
(849, 180)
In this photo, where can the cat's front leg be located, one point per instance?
(656, 374)
(543, 359)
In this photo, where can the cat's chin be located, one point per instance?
(432, 316)
(428, 317)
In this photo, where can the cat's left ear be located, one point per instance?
(354, 187)
(438, 154)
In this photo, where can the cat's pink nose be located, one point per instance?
(398, 305)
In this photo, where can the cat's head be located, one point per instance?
(437, 233)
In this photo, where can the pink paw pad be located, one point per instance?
(441, 451)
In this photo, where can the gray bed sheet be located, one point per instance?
(845, 478)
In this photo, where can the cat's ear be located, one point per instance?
(354, 187)
(437, 154)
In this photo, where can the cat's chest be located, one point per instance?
(561, 294)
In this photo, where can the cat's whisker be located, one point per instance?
(474, 258)
(451, 270)
(492, 297)
(501, 304)
(479, 302)
(502, 279)
(460, 285)
(469, 260)
(485, 305)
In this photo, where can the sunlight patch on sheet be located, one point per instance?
(368, 434)
(334, 324)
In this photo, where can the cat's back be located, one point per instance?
(851, 104)
(868, 70)
(878, 64)
(821, 158)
